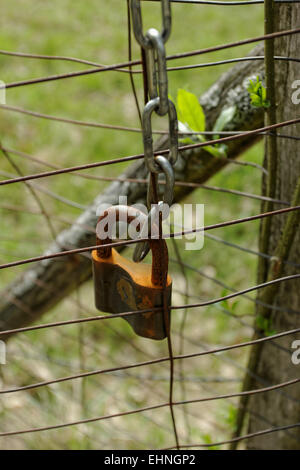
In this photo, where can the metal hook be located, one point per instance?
(142, 249)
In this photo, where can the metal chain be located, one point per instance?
(154, 105)
(153, 45)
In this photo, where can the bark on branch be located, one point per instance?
(45, 283)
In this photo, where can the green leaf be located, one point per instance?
(258, 94)
(256, 100)
(190, 111)
(224, 118)
(191, 118)
(254, 87)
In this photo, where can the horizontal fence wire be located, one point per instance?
(129, 129)
(173, 307)
(148, 408)
(241, 438)
(150, 362)
(138, 62)
(140, 240)
(127, 67)
(169, 69)
(144, 181)
(141, 155)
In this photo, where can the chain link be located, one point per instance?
(138, 23)
(153, 105)
(157, 75)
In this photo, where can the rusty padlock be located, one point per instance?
(124, 286)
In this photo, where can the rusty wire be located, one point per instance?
(141, 155)
(99, 125)
(140, 240)
(173, 307)
(241, 438)
(260, 380)
(138, 62)
(132, 72)
(153, 407)
(150, 362)
(143, 181)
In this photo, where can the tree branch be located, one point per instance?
(45, 283)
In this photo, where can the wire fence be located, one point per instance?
(269, 130)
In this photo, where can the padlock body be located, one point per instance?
(123, 286)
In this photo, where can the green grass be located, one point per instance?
(97, 31)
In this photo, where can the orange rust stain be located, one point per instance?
(139, 272)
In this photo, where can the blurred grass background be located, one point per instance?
(97, 31)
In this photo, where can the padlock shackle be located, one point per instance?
(158, 247)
